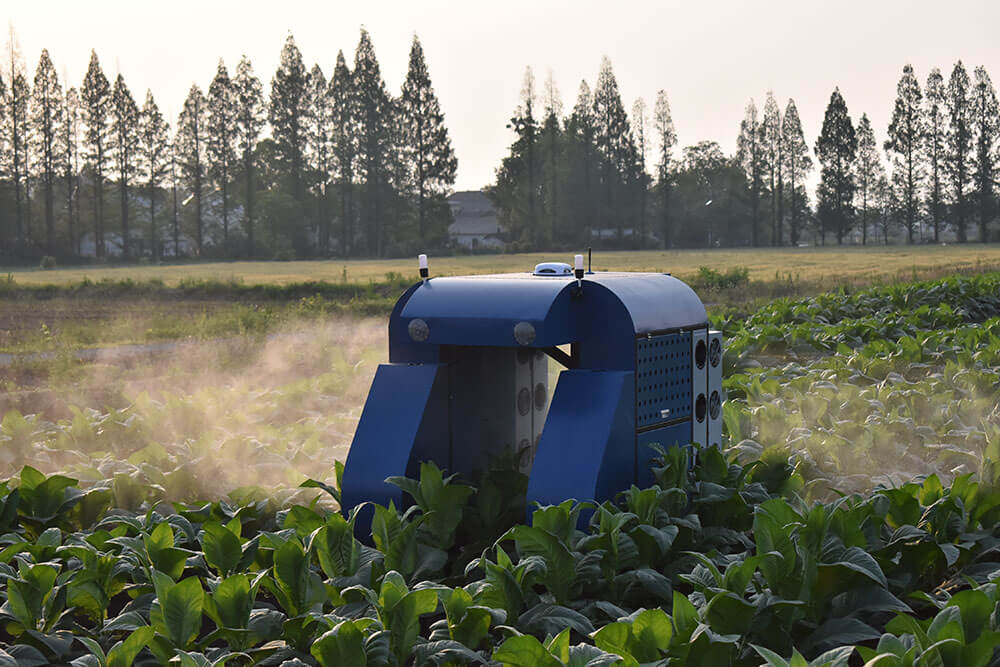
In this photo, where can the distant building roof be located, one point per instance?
(474, 214)
(470, 201)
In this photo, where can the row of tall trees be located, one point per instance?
(316, 167)
(943, 142)
(942, 148)
(567, 177)
(588, 176)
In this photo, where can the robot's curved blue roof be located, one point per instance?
(483, 310)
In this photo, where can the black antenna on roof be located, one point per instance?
(589, 258)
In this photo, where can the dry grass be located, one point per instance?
(830, 264)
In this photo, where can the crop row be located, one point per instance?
(720, 562)
(745, 569)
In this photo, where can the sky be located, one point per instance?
(711, 57)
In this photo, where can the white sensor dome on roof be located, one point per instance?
(553, 269)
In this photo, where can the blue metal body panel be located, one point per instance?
(401, 348)
(587, 450)
(666, 436)
(484, 311)
(654, 301)
(603, 310)
(403, 424)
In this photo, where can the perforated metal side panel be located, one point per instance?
(662, 378)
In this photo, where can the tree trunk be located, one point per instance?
(345, 220)
(154, 238)
(248, 169)
(225, 211)
(781, 213)
(99, 212)
(69, 209)
(50, 214)
(123, 192)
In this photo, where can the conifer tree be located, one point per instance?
(20, 146)
(319, 150)
(615, 147)
(868, 172)
(174, 178)
(750, 154)
(770, 129)
(552, 132)
(581, 199)
(525, 125)
(935, 114)
(125, 140)
(17, 133)
(515, 193)
(958, 143)
(190, 140)
(666, 139)
(220, 139)
(343, 109)
(836, 149)
(154, 160)
(640, 130)
(96, 95)
(986, 125)
(46, 117)
(250, 118)
(69, 161)
(287, 114)
(4, 156)
(428, 147)
(885, 199)
(797, 165)
(906, 135)
(375, 128)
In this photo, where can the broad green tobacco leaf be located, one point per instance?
(524, 651)
(123, 653)
(176, 615)
(343, 645)
(299, 589)
(335, 546)
(560, 563)
(222, 548)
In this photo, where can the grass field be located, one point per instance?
(51, 311)
(831, 265)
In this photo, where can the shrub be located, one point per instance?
(711, 279)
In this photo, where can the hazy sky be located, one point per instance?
(710, 57)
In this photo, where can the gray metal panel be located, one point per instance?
(699, 382)
(531, 381)
(662, 378)
(716, 395)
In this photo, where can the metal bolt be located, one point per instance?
(524, 333)
(418, 330)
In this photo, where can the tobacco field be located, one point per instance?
(851, 518)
